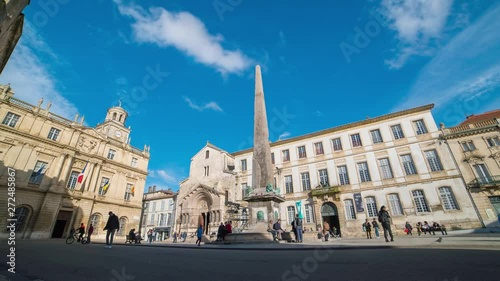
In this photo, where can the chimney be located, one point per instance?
(149, 189)
(154, 188)
(469, 116)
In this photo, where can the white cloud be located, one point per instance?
(31, 78)
(417, 23)
(210, 105)
(284, 135)
(319, 113)
(466, 69)
(163, 178)
(186, 33)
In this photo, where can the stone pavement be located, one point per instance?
(455, 240)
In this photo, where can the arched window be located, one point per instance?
(95, 221)
(22, 214)
(371, 206)
(121, 117)
(123, 226)
(448, 199)
(114, 116)
(207, 154)
(349, 209)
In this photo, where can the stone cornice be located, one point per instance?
(346, 126)
(71, 149)
(470, 132)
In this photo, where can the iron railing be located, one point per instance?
(485, 181)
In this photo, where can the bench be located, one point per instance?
(128, 240)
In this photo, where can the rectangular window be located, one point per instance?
(11, 119)
(291, 213)
(53, 134)
(376, 136)
(38, 172)
(433, 160)
(111, 154)
(493, 141)
(302, 152)
(356, 140)
(309, 213)
(408, 165)
(152, 219)
(323, 178)
(286, 155)
(102, 191)
(272, 157)
(128, 192)
(364, 174)
(448, 199)
(395, 204)
(420, 201)
(153, 207)
(420, 128)
(397, 131)
(244, 165)
(385, 168)
(306, 182)
(163, 202)
(483, 176)
(72, 180)
(349, 210)
(163, 219)
(371, 207)
(169, 219)
(468, 146)
(288, 184)
(318, 147)
(337, 144)
(134, 162)
(343, 175)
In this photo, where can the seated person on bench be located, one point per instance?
(278, 229)
(131, 235)
(138, 238)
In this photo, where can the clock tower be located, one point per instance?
(114, 124)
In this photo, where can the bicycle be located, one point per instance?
(76, 236)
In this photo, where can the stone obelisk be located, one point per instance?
(262, 167)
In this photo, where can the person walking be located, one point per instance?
(368, 229)
(199, 234)
(297, 224)
(111, 226)
(376, 228)
(91, 230)
(384, 218)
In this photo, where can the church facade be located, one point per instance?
(67, 173)
(342, 175)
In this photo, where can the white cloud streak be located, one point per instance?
(187, 34)
(31, 78)
(284, 135)
(467, 67)
(208, 106)
(416, 23)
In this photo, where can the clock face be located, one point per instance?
(118, 134)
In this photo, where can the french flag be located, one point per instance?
(82, 174)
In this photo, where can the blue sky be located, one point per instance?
(184, 69)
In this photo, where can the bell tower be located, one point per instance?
(114, 124)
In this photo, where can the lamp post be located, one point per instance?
(142, 213)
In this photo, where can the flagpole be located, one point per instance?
(91, 212)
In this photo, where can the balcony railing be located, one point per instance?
(490, 181)
(325, 190)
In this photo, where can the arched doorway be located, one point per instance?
(330, 214)
(205, 218)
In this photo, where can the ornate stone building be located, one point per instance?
(11, 27)
(343, 175)
(211, 184)
(475, 144)
(68, 173)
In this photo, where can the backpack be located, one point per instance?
(379, 219)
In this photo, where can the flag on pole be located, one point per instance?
(105, 188)
(133, 190)
(299, 208)
(82, 174)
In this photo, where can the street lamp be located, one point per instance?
(142, 213)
